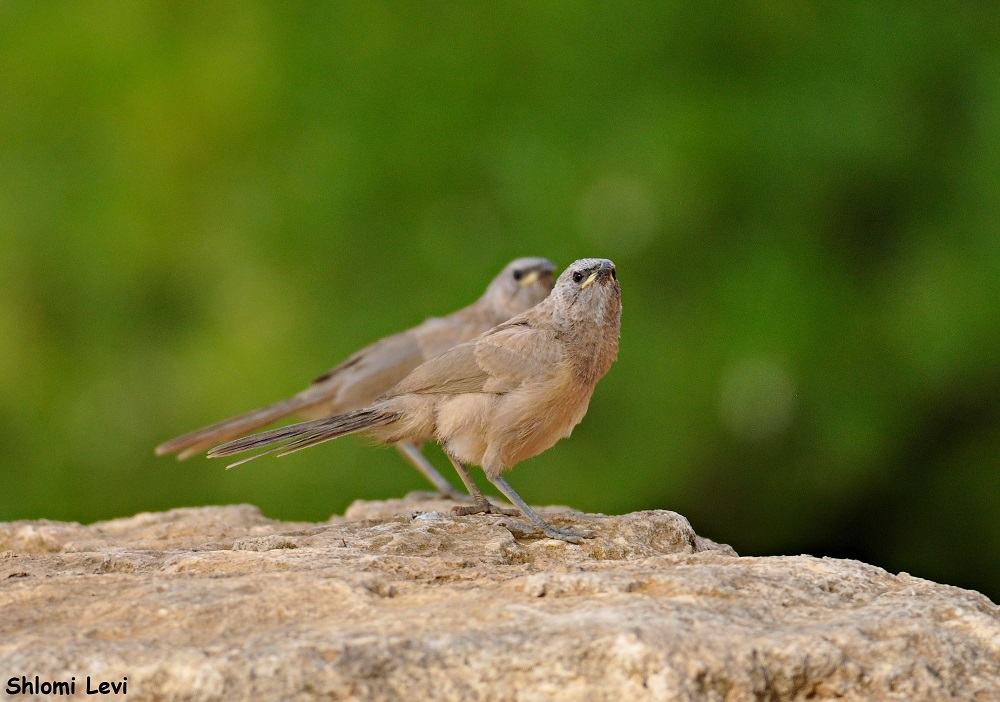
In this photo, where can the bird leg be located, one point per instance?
(552, 532)
(416, 459)
(480, 505)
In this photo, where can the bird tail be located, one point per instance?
(196, 441)
(296, 437)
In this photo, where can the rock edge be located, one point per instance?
(401, 599)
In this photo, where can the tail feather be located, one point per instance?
(201, 439)
(296, 437)
(265, 438)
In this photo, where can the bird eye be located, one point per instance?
(577, 277)
(518, 275)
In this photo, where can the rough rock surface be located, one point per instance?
(400, 600)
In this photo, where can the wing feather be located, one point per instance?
(496, 362)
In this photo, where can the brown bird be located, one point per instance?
(359, 380)
(508, 395)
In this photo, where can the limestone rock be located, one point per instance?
(402, 600)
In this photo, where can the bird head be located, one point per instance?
(587, 294)
(522, 284)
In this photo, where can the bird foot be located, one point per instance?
(484, 506)
(569, 535)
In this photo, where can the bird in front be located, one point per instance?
(505, 396)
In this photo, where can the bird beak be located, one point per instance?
(589, 281)
(529, 278)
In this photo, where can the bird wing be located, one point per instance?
(371, 371)
(367, 373)
(496, 362)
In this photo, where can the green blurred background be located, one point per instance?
(205, 205)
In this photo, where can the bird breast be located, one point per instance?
(499, 431)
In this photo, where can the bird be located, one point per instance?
(507, 395)
(358, 380)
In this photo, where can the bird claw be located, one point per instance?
(571, 535)
(568, 535)
(483, 507)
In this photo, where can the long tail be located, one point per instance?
(296, 437)
(197, 441)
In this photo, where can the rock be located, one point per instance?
(400, 600)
